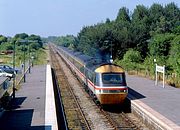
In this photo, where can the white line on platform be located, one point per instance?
(50, 109)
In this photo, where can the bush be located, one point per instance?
(132, 56)
(131, 60)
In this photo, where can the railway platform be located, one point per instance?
(158, 106)
(34, 106)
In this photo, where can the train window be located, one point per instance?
(82, 69)
(97, 79)
(112, 78)
(90, 76)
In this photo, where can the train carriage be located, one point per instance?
(105, 81)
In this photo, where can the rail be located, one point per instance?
(62, 79)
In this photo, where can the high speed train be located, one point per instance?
(104, 81)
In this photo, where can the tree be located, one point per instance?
(132, 56)
(177, 30)
(123, 15)
(140, 29)
(2, 39)
(131, 59)
(36, 39)
(121, 33)
(162, 26)
(174, 57)
(34, 46)
(160, 44)
(156, 12)
(9, 47)
(65, 41)
(172, 15)
(21, 36)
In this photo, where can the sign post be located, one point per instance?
(160, 69)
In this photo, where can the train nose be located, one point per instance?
(111, 98)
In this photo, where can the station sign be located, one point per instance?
(160, 69)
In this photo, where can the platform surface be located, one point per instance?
(27, 111)
(163, 103)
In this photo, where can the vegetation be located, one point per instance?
(31, 46)
(135, 39)
(40, 57)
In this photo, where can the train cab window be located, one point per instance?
(112, 78)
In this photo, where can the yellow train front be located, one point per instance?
(110, 86)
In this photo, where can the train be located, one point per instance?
(104, 81)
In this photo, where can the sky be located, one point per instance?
(61, 17)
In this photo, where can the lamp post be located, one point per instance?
(14, 76)
(29, 59)
(30, 41)
(24, 66)
(32, 57)
(111, 58)
(24, 62)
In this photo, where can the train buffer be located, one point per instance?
(29, 110)
(157, 105)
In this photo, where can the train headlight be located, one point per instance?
(126, 90)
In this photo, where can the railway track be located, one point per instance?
(74, 115)
(120, 121)
(81, 112)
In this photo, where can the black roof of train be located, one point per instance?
(84, 59)
(90, 62)
(77, 55)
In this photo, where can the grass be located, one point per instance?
(40, 57)
(6, 59)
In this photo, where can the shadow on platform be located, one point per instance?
(19, 119)
(135, 94)
(16, 103)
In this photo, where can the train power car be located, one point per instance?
(105, 81)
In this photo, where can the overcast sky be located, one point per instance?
(61, 17)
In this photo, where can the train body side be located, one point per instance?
(94, 78)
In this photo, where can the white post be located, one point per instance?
(156, 75)
(163, 75)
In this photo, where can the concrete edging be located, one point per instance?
(150, 117)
